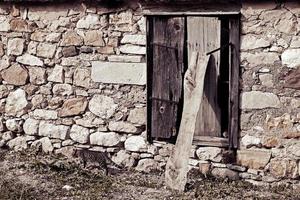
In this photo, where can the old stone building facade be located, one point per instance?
(74, 75)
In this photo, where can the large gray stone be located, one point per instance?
(210, 153)
(82, 77)
(71, 38)
(18, 143)
(37, 75)
(249, 141)
(249, 42)
(147, 165)
(124, 58)
(262, 58)
(31, 126)
(137, 116)
(45, 143)
(133, 49)
(53, 131)
(31, 60)
(136, 143)
(123, 73)
(57, 74)
(291, 58)
(45, 114)
(46, 50)
(14, 125)
(259, 100)
(79, 134)
(89, 21)
(62, 89)
(134, 39)
(225, 173)
(124, 159)
(15, 46)
(102, 106)
(107, 139)
(123, 127)
(4, 24)
(16, 103)
(93, 38)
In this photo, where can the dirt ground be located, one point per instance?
(30, 175)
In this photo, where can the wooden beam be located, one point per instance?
(210, 141)
(190, 13)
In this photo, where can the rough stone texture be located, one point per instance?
(257, 59)
(284, 168)
(74, 106)
(209, 153)
(31, 60)
(121, 126)
(108, 139)
(225, 173)
(147, 165)
(57, 74)
(18, 143)
(123, 73)
(31, 126)
(137, 116)
(4, 24)
(45, 114)
(20, 25)
(15, 75)
(14, 125)
(124, 159)
(15, 46)
(1, 49)
(82, 77)
(254, 159)
(53, 131)
(37, 75)
(89, 21)
(102, 106)
(124, 58)
(291, 58)
(259, 100)
(292, 80)
(45, 50)
(16, 103)
(250, 42)
(62, 89)
(294, 149)
(79, 134)
(134, 39)
(93, 38)
(69, 51)
(249, 141)
(45, 143)
(136, 143)
(71, 38)
(133, 49)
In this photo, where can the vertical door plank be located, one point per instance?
(234, 38)
(203, 34)
(167, 59)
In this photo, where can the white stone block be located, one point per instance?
(123, 73)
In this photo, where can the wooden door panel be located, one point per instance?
(204, 35)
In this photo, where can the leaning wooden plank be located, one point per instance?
(177, 165)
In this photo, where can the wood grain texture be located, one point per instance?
(167, 68)
(177, 165)
(234, 38)
(203, 34)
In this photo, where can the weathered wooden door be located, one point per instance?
(166, 57)
(204, 35)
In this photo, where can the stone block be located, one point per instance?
(290, 57)
(72, 107)
(124, 58)
(15, 46)
(123, 73)
(254, 159)
(123, 127)
(136, 143)
(46, 50)
(259, 100)
(134, 39)
(79, 134)
(45, 114)
(107, 139)
(53, 131)
(31, 60)
(16, 103)
(37, 75)
(133, 49)
(15, 75)
(31, 126)
(102, 106)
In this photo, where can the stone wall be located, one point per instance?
(270, 97)
(54, 61)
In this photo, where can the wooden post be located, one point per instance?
(177, 165)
